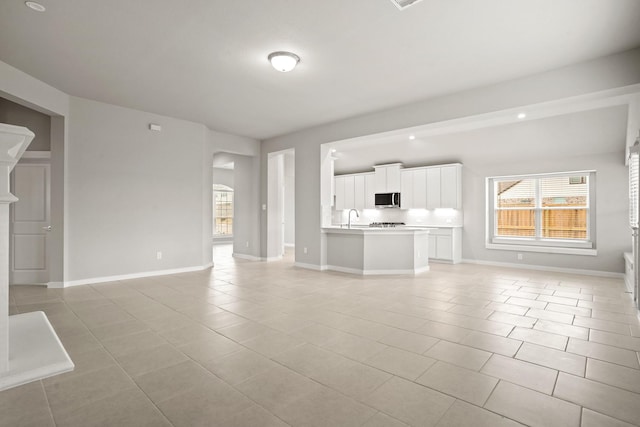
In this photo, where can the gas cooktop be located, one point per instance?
(386, 224)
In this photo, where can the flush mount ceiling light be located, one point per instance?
(35, 6)
(283, 61)
(403, 4)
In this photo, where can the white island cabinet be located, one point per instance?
(377, 250)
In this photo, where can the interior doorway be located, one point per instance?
(280, 204)
(36, 243)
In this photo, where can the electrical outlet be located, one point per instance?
(158, 255)
(520, 257)
(304, 250)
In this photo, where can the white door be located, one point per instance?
(30, 223)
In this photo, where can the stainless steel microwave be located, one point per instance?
(387, 200)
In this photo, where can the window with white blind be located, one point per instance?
(542, 213)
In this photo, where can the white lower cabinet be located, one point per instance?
(445, 244)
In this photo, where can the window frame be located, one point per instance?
(218, 188)
(537, 243)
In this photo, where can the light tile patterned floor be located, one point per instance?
(266, 344)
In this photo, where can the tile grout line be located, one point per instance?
(121, 368)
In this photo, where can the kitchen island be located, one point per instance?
(370, 250)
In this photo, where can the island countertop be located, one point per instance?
(367, 230)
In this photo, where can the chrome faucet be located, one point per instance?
(357, 215)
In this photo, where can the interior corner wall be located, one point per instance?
(57, 235)
(614, 71)
(246, 206)
(132, 192)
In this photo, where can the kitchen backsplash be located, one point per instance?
(418, 217)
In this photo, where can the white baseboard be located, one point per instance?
(375, 272)
(310, 266)
(584, 272)
(247, 257)
(134, 275)
(55, 285)
(628, 285)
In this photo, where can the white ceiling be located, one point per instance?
(584, 133)
(205, 60)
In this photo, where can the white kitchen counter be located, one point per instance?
(373, 250)
(365, 230)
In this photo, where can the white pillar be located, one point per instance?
(13, 141)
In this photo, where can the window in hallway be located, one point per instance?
(223, 210)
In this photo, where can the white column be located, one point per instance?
(13, 141)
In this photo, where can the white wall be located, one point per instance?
(593, 140)
(246, 217)
(289, 200)
(598, 75)
(103, 153)
(132, 192)
(223, 177)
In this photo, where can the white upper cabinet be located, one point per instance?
(359, 192)
(450, 187)
(355, 191)
(349, 192)
(393, 179)
(381, 179)
(406, 190)
(420, 188)
(339, 188)
(413, 192)
(369, 191)
(388, 178)
(433, 188)
(430, 187)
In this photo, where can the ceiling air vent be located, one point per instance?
(403, 4)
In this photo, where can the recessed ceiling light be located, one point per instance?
(35, 6)
(412, 137)
(283, 61)
(522, 116)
